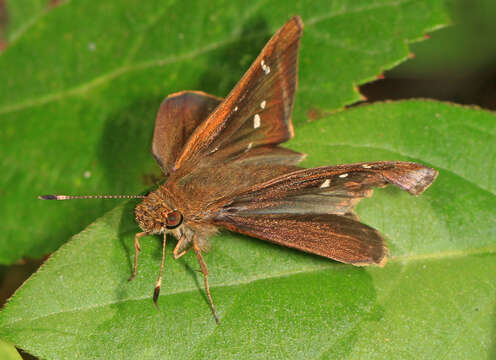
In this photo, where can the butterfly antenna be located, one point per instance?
(72, 197)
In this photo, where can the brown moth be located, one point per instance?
(225, 169)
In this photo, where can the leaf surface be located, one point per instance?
(437, 289)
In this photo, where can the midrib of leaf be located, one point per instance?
(138, 41)
(101, 80)
(126, 67)
(403, 260)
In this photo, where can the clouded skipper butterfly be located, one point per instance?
(225, 169)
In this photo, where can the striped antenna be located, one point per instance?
(72, 197)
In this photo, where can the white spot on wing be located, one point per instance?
(256, 121)
(262, 104)
(249, 146)
(265, 68)
(365, 166)
(343, 175)
(326, 184)
(235, 108)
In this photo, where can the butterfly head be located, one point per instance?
(155, 216)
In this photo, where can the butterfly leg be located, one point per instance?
(137, 249)
(204, 270)
(182, 247)
(159, 280)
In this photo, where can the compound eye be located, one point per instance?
(174, 219)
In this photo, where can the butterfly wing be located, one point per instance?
(258, 110)
(209, 182)
(346, 183)
(320, 202)
(332, 236)
(179, 115)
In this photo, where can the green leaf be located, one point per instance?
(437, 290)
(21, 15)
(82, 84)
(8, 352)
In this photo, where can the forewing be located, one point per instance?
(269, 155)
(332, 236)
(329, 189)
(210, 181)
(311, 209)
(177, 118)
(258, 110)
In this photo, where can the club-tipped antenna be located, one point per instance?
(73, 197)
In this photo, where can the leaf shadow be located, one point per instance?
(327, 306)
(194, 275)
(124, 228)
(124, 146)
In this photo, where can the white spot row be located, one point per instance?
(365, 166)
(256, 121)
(265, 68)
(326, 183)
(343, 175)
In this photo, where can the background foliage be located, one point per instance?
(82, 85)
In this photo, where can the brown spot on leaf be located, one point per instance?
(314, 114)
(4, 19)
(55, 3)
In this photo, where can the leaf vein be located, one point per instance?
(260, 277)
(316, 19)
